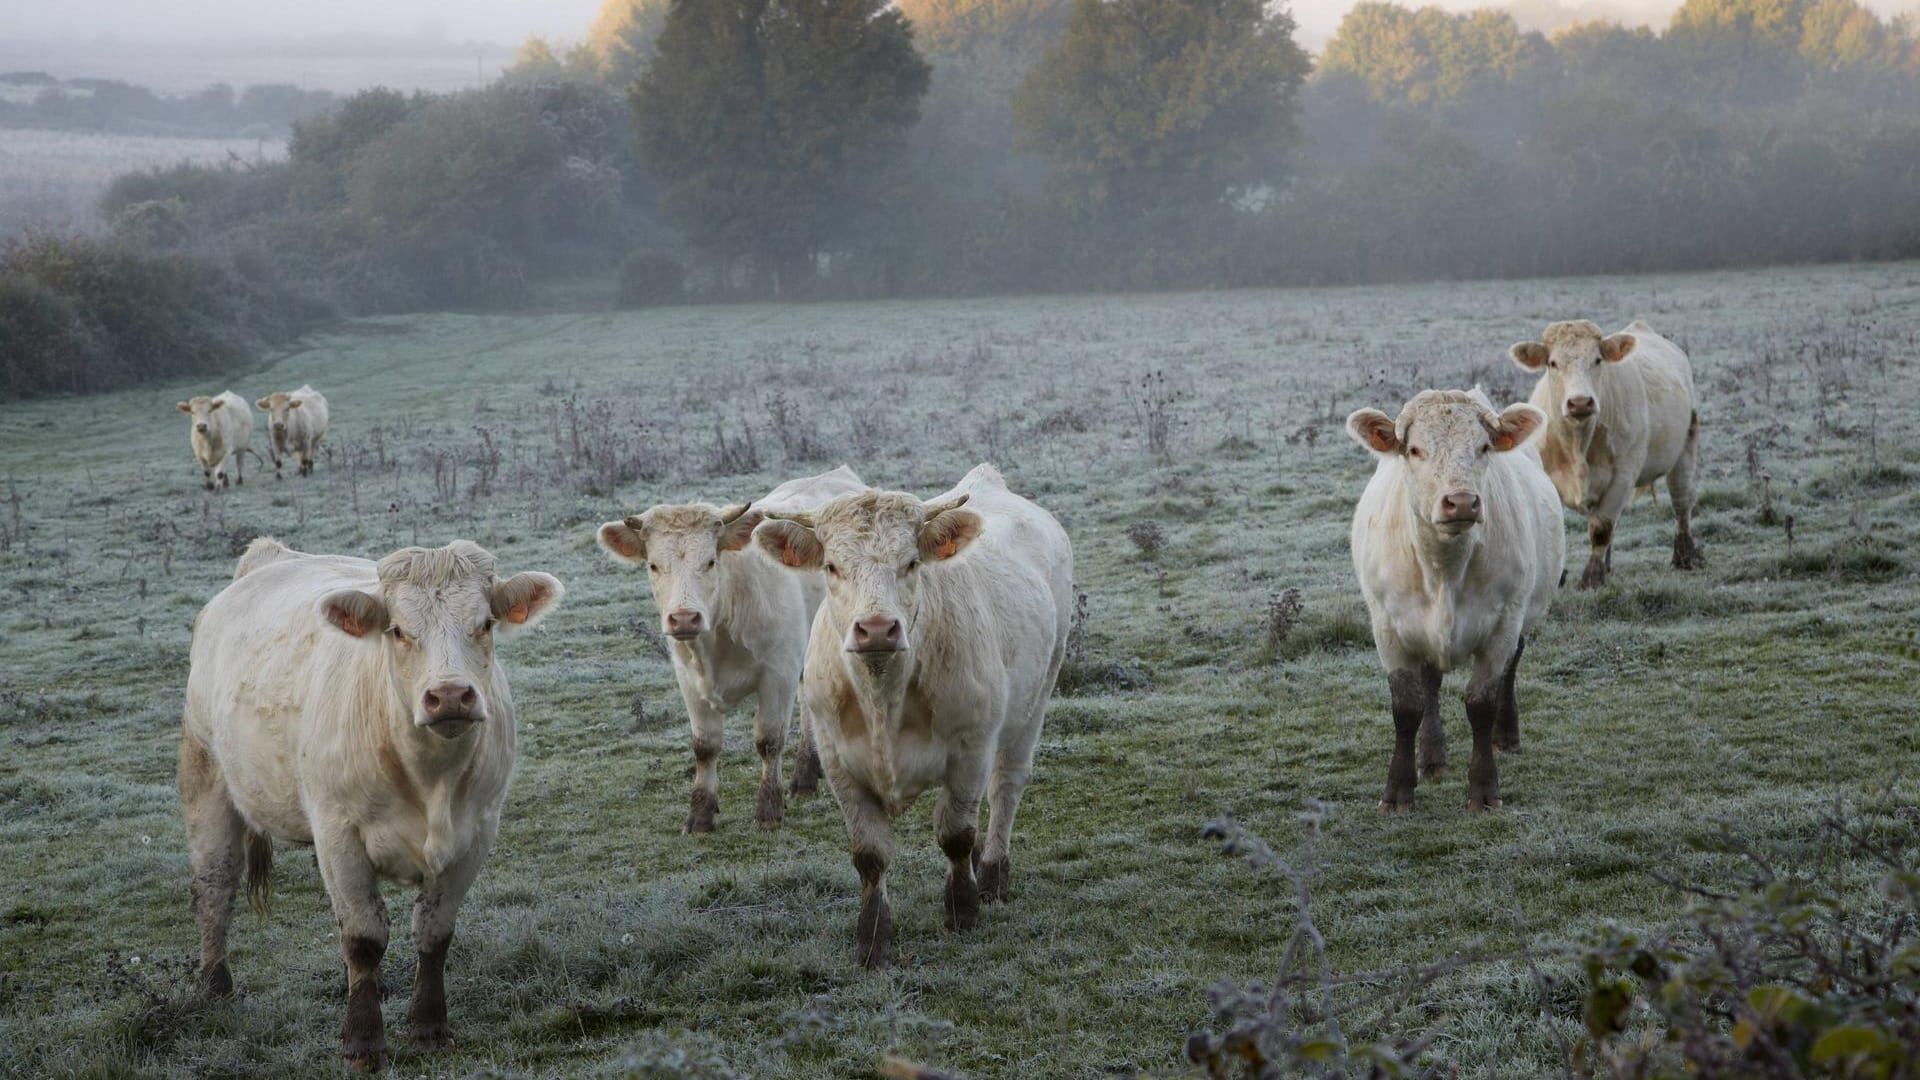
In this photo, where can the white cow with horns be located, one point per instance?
(1458, 546)
(738, 627)
(356, 707)
(929, 668)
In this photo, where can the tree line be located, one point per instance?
(854, 148)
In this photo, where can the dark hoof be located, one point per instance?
(365, 1054)
(770, 809)
(1507, 742)
(1397, 806)
(1477, 803)
(432, 1036)
(1484, 797)
(1594, 577)
(1432, 761)
(995, 880)
(700, 816)
(873, 937)
(218, 981)
(962, 902)
(1687, 556)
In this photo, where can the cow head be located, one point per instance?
(201, 409)
(872, 545)
(1445, 438)
(1568, 356)
(436, 613)
(278, 408)
(688, 550)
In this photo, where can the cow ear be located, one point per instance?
(184, 407)
(1530, 355)
(1374, 430)
(525, 598)
(264, 404)
(792, 543)
(1615, 348)
(1515, 426)
(622, 541)
(218, 403)
(738, 533)
(355, 613)
(950, 533)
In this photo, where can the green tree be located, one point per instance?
(1432, 57)
(621, 43)
(770, 123)
(1155, 102)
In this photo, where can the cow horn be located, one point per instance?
(934, 510)
(636, 524)
(732, 513)
(798, 517)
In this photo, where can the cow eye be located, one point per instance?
(832, 569)
(399, 635)
(486, 628)
(653, 568)
(1485, 447)
(711, 563)
(1415, 452)
(913, 565)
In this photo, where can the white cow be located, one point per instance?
(295, 423)
(1458, 546)
(1622, 413)
(738, 628)
(929, 665)
(355, 707)
(222, 430)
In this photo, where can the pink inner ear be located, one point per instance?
(1381, 437)
(622, 540)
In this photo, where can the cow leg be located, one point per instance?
(773, 711)
(239, 466)
(1409, 690)
(1686, 553)
(1506, 734)
(955, 824)
(362, 916)
(1483, 714)
(215, 832)
(1600, 560)
(1433, 737)
(806, 759)
(709, 730)
(1012, 768)
(433, 914)
(206, 477)
(870, 832)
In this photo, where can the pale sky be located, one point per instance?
(120, 25)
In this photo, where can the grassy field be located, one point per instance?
(599, 941)
(56, 178)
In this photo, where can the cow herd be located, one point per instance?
(357, 707)
(222, 432)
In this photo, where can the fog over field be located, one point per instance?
(552, 264)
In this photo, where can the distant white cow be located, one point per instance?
(295, 423)
(355, 707)
(738, 625)
(1458, 545)
(929, 665)
(222, 429)
(1622, 413)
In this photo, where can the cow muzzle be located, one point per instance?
(448, 709)
(1581, 407)
(201, 428)
(685, 624)
(879, 634)
(1459, 508)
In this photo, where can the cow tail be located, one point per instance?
(259, 872)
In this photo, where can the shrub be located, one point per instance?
(649, 279)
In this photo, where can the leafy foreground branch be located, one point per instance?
(1805, 964)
